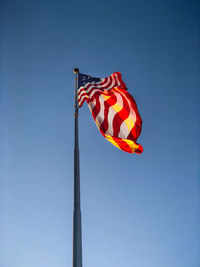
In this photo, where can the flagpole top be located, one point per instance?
(76, 70)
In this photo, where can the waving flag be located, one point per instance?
(113, 109)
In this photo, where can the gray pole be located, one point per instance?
(77, 240)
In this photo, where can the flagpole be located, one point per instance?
(77, 239)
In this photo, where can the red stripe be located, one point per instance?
(96, 109)
(107, 105)
(139, 150)
(138, 124)
(122, 84)
(123, 145)
(120, 116)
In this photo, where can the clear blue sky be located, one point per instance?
(137, 210)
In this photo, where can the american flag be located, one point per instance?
(114, 110)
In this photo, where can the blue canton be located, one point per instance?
(83, 79)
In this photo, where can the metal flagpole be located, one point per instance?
(77, 239)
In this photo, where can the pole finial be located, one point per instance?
(76, 70)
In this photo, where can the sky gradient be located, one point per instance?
(137, 210)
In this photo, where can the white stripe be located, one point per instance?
(112, 113)
(92, 105)
(118, 82)
(124, 131)
(112, 84)
(100, 115)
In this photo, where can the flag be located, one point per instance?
(114, 110)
